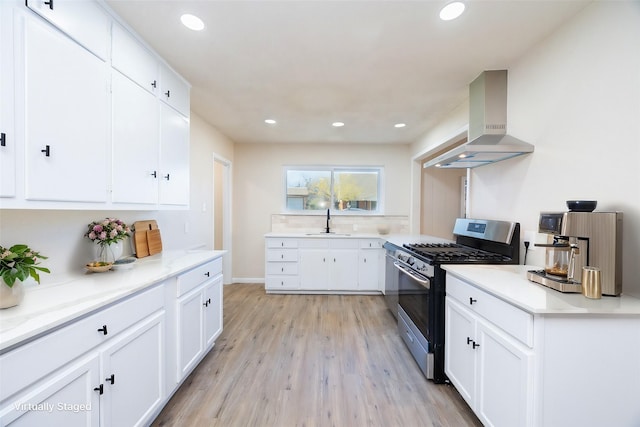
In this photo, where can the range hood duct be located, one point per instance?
(488, 139)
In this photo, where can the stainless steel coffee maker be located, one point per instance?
(576, 240)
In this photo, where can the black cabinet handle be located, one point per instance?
(168, 93)
(111, 379)
(103, 329)
(471, 300)
(50, 4)
(46, 151)
(207, 302)
(3, 139)
(154, 84)
(166, 177)
(469, 340)
(207, 274)
(99, 389)
(475, 345)
(154, 174)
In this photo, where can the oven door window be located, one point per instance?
(414, 299)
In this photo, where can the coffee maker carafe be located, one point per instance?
(576, 240)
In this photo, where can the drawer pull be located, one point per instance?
(168, 93)
(3, 139)
(471, 300)
(469, 340)
(207, 274)
(99, 389)
(49, 3)
(207, 302)
(475, 345)
(154, 84)
(103, 329)
(111, 379)
(46, 151)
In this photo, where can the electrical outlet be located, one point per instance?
(530, 236)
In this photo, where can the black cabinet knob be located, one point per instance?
(46, 151)
(49, 3)
(99, 389)
(168, 93)
(111, 379)
(3, 139)
(154, 174)
(471, 300)
(475, 345)
(103, 329)
(154, 84)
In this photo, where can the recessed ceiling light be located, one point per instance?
(192, 22)
(270, 121)
(337, 124)
(399, 125)
(452, 10)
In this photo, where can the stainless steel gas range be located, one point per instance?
(417, 283)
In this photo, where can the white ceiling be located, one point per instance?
(306, 64)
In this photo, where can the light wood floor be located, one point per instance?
(310, 360)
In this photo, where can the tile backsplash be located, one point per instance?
(366, 224)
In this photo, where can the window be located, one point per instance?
(348, 190)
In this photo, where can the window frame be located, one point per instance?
(332, 169)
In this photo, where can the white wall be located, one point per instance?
(258, 188)
(59, 234)
(576, 97)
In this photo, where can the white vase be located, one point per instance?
(110, 252)
(11, 296)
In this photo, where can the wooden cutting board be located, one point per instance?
(140, 239)
(154, 241)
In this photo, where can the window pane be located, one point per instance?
(308, 189)
(355, 190)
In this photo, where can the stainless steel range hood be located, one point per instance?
(488, 141)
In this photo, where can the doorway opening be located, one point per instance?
(222, 213)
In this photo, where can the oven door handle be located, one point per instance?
(424, 282)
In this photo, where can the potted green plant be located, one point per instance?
(17, 263)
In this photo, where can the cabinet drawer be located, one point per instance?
(192, 278)
(282, 282)
(371, 244)
(83, 21)
(32, 361)
(282, 268)
(507, 317)
(344, 243)
(282, 243)
(287, 255)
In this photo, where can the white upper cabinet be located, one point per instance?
(65, 118)
(7, 132)
(133, 60)
(135, 152)
(174, 90)
(83, 21)
(174, 158)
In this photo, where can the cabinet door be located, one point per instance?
(174, 157)
(66, 398)
(174, 91)
(369, 273)
(7, 132)
(504, 370)
(133, 60)
(314, 269)
(133, 374)
(344, 270)
(83, 21)
(190, 332)
(66, 118)
(460, 357)
(213, 311)
(135, 143)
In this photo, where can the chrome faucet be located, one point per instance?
(327, 230)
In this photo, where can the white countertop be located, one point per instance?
(332, 235)
(510, 283)
(58, 301)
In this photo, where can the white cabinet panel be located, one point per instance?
(8, 138)
(66, 116)
(135, 141)
(174, 91)
(133, 60)
(174, 158)
(83, 21)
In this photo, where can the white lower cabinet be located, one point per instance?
(490, 369)
(106, 369)
(323, 265)
(199, 315)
